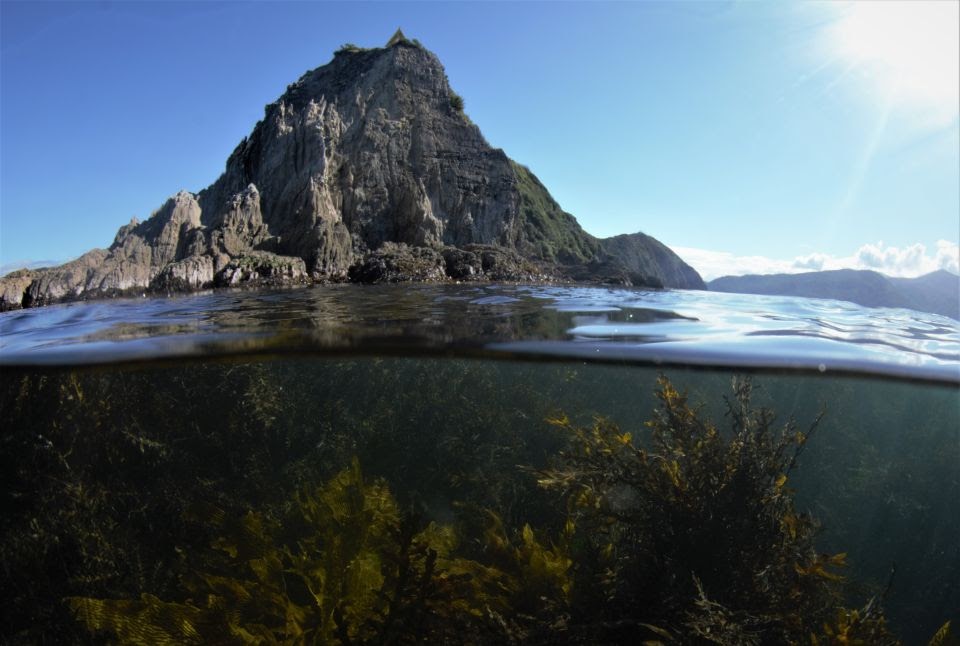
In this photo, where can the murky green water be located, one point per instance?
(478, 464)
(183, 480)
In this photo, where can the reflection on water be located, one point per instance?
(661, 327)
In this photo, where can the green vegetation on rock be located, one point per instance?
(456, 101)
(545, 230)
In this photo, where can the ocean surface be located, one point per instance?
(478, 464)
(642, 326)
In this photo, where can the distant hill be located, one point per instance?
(937, 292)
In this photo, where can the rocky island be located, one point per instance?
(367, 170)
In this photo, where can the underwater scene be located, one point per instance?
(479, 465)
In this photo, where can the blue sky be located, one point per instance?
(747, 136)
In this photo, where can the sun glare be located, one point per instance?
(911, 49)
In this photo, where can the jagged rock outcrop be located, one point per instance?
(371, 150)
(66, 281)
(195, 272)
(262, 267)
(15, 284)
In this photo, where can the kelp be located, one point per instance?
(863, 627)
(693, 529)
(98, 465)
(945, 636)
(343, 566)
(519, 590)
(684, 532)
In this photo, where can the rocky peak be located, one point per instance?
(370, 145)
(398, 38)
(371, 149)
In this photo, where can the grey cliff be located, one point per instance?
(365, 169)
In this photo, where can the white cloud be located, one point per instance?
(813, 262)
(948, 256)
(713, 264)
(908, 261)
(913, 260)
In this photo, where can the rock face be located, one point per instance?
(364, 169)
(648, 261)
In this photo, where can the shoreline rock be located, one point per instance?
(392, 263)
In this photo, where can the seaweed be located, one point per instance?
(684, 531)
(944, 636)
(519, 589)
(695, 531)
(864, 627)
(344, 566)
(341, 567)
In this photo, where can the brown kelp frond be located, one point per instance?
(682, 532)
(535, 572)
(343, 567)
(690, 503)
(147, 621)
(944, 637)
(520, 588)
(864, 627)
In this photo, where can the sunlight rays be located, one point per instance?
(908, 51)
(864, 160)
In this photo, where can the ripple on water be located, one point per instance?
(613, 324)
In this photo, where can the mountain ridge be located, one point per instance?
(364, 169)
(937, 292)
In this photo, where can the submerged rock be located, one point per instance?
(371, 150)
